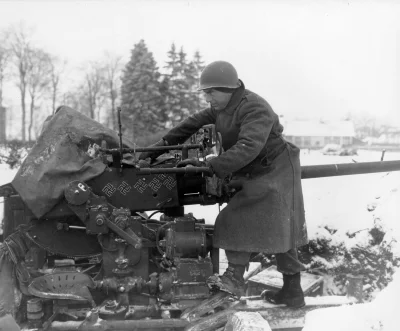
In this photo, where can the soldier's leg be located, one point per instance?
(232, 278)
(288, 263)
(291, 294)
(238, 258)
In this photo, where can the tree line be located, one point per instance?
(153, 99)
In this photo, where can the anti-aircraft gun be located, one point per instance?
(100, 250)
(101, 247)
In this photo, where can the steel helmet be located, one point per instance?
(219, 74)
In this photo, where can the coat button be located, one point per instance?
(247, 175)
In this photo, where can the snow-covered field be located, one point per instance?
(341, 211)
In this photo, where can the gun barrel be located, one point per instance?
(182, 171)
(312, 171)
(343, 169)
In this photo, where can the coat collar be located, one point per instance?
(234, 102)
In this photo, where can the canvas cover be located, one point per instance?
(63, 153)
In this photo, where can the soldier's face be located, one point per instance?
(217, 99)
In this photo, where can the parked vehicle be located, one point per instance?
(336, 149)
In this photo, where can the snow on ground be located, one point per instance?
(378, 315)
(364, 201)
(387, 218)
(341, 202)
(6, 176)
(344, 229)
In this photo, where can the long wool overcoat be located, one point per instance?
(267, 214)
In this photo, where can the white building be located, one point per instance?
(391, 137)
(318, 133)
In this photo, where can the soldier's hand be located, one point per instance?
(192, 161)
(144, 163)
(153, 154)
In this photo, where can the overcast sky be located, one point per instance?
(319, 58)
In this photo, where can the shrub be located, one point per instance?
(13, 152)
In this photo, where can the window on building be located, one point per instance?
(297, 141)
(346, 141)
(307, 141)
(336, 140)
(289, 138)
(327, 140)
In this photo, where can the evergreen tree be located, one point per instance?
(183, 85)
(174, 83)
(172, 63)
(182, 77)
(193, 71)
(140, 94)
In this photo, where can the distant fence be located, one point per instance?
(379, 147)
(375, 147)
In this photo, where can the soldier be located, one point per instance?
(267, 214)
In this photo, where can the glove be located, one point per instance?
(153, 154)
(192, 161)
(143, 164)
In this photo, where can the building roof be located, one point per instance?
(393, 131)
(318, 128)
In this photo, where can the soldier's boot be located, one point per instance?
(232, 280)
(291, 294)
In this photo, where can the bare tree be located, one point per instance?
(366, 125)
(71, 98)
(57, 68)
(20, 46)
(4, 61)
(113, 68)
(38, 80)
(93, 89)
